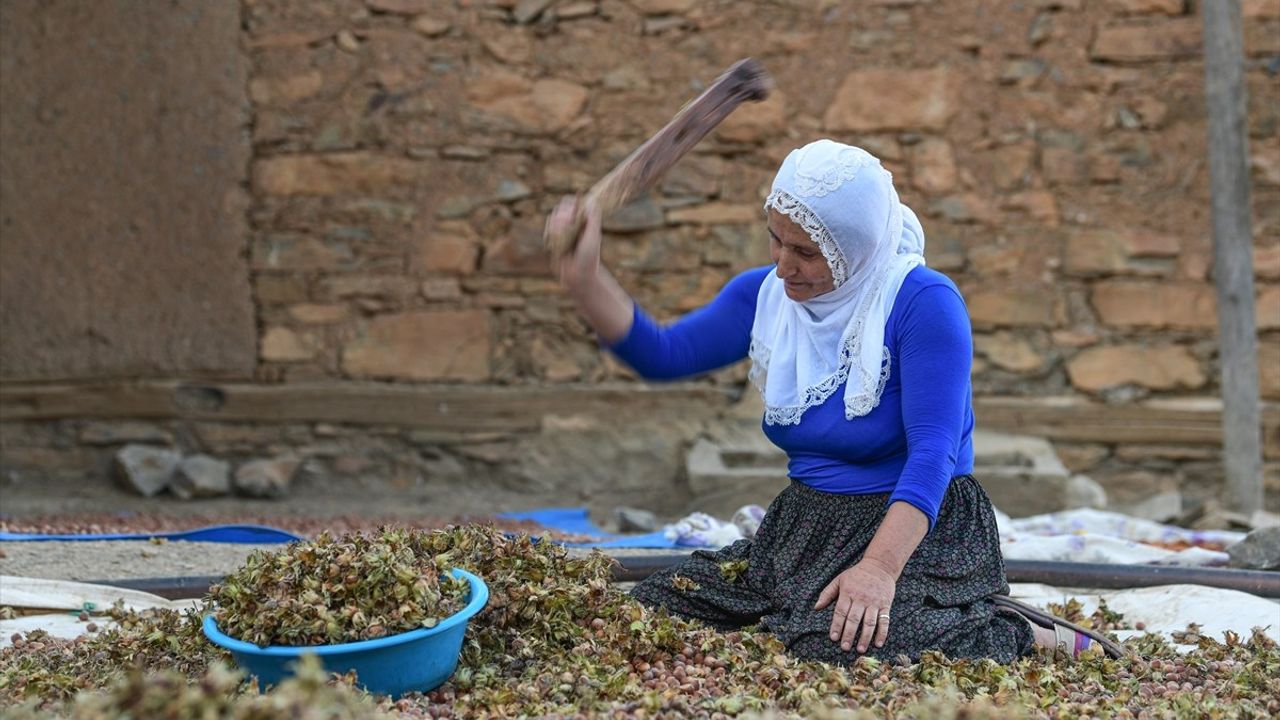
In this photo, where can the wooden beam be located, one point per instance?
(1233, 252)
(1191, 421)
(488, 408)
(442, 407)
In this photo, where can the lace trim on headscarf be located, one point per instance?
(787, 204)
(849, 162)
(814, 395)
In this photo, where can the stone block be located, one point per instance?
(422, 345)
(270, 289)
(1164, 506)
(1102, 251)
(1260, 550)
(451, 248)
(1012, 165)
(382, 287)
(201, 476)
(965, 208)
(1136, 303)
(518, 252)
(1260, 9)
(1267, 307)
(1009, 352)
(319, 314)
(1269, 367)
(1014, 307)
(285, 90)
(300, 252)
(631, 519)
(694, 176)
(526, 11)
(146, 469)
(357, 173)
(716, 213)
(755, 122)
(509, 46)
(1064, 166)
(282, 344)
(893, 99)
(539, 107)
(431, 26)
(402, 7)
(1163, 367)
(664, 7)
(1148, 7)
(637, 216)
(1144, 494)
(1147, 42)
(933, 165)
(723, 478)
(1023, 476)
(1081, 457)
(1039, 204)
(267, 478)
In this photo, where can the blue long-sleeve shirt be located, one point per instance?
(910, 445)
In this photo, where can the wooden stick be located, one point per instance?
(744, 81)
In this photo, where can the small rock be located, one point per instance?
(266, 478)
(1260, 550)
(146, 469)
(1083, 491)
(635, 520)
(201, 476)
(512, 190)
(431, 27)
(576, 10)
(1163, 506)
(658, 25)
(464, 152)
(526, 11)
(347, 41)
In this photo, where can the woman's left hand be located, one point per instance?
(863, 595)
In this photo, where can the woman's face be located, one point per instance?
(800, 262)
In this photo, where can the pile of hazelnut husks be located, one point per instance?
(558, 640)
(327, 591)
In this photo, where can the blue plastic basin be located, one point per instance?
(418, 660)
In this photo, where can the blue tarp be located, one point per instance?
(213, 533)
(575, 520)
(567, 520)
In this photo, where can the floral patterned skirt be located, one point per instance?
(808, 537)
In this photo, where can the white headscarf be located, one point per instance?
(802, 351)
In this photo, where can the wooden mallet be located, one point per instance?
(744, 81)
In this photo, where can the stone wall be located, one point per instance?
(405, 152)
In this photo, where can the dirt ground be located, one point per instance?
(132, 559)
(308, 497)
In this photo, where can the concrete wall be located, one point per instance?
(123, 155)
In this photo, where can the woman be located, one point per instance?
(883, 544)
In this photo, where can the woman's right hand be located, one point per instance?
(579, 268)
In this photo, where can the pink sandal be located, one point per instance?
(1071, 638)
